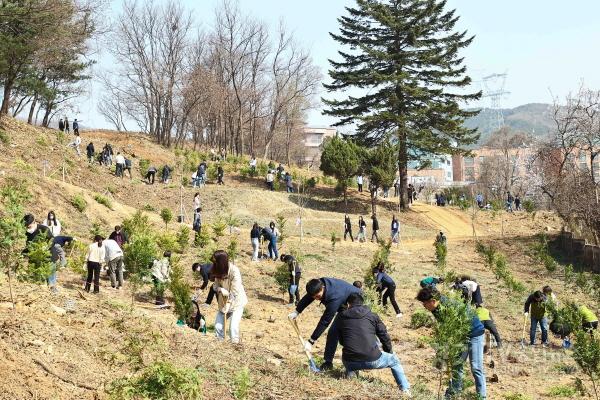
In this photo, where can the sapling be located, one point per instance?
(39, 265)
(12, 231)
(181, 291)
(139, 255)
(333, 240)
(167, 216)
(281, 221)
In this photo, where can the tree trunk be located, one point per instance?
(403, 172)
(8, 85)
(373, 201)
(32, 110)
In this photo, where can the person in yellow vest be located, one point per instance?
(537, 303)
(488, 323)
(589, 319)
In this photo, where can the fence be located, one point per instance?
(587, 255)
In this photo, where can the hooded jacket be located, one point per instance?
(358, 330)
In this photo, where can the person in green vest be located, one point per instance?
(488, 323)
(431, 281)
(535, 308)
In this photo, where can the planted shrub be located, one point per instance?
(441, 251)
(167, 216)
(78, 202)
(4, 139)
(202, 239)
(280, 223)
(144, 165)
(138, 257)
(282, 277)
(496, 261)
(100, 199)
(39, 267)
(167, 241)
(218, 228)
(183, 238)
(161, 381)
(182, 293)
(232, 249)
(421, 319)
(381, 255)
(243, 384)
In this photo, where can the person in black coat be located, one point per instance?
(332, 293)
(375, 228)
(35, 231)
(205, 270)
(386, 287)
(348, 227)
(359, 331)
(89, 149)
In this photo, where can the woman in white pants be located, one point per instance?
(231, 296)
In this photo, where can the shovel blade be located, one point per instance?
(313, 367)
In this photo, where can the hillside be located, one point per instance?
(533, 118)
(49, 354)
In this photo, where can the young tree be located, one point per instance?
(404, 56)
(12, 230)
(138, 257)
(380, 165)
(341, 158)
(167, 216)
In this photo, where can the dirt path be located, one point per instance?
(453, 224)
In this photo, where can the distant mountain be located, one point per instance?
(533, 118)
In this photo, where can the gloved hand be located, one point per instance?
(307, 346)
(293, 315)
(224, 292)
(526, 313)
(204, 305)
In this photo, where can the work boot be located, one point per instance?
(326, 366)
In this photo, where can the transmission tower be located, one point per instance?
(493, 87)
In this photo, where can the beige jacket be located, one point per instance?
(236, 297)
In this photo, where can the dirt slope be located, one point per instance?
(78, 354)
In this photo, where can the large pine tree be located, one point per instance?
(404, 62)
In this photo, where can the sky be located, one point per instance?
(546, 48)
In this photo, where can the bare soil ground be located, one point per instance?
(47, 355)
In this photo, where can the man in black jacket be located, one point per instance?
(332, 293)
(358, 330)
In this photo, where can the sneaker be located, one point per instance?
(54, 290)
(326, 366)
(406, 394)
(544, 345)
(351, 374)
(399, 315)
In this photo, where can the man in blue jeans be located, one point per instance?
(333, 294)
(358, 330)
(535, 306)
(433, 302)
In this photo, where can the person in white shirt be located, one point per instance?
(75, 144)
(253, 166)
(94, 258)
(114, 260)
(270, 179)
(120, 165)
(359, 182)
(161, 275)
(231, 296)
(53, 224)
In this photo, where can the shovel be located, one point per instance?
(311, 363)
(523, 335)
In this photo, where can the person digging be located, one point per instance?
(333, 294)
(360, 331)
